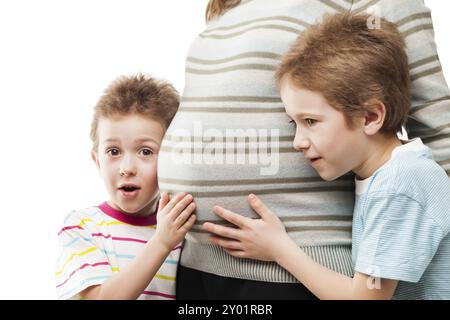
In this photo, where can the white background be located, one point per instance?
(56, 57)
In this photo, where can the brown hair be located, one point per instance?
(216, 8)
(350, 64)
(138, 94)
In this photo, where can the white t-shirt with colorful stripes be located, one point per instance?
(97, 242)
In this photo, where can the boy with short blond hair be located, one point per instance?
(346, 88)
(352, 64)
(128, 247)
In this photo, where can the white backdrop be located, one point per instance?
(56, 57)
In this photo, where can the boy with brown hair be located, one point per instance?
(346, 88)
(128, 247)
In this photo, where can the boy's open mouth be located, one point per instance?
(129, 188)
(314, 160)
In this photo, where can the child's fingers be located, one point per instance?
(174, 201)
(236, 253)
(232, 217)
(184, 215)
(180, 206)
(163, 201)
(226, 243)
(259, 207)
(188, 224)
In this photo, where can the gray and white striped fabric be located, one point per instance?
(231, 136)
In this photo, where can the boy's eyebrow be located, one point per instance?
(302, 114)
(140, 140)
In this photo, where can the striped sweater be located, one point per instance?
(231, 136)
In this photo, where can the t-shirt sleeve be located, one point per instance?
(81, 262)
(398, 239)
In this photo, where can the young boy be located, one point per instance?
(128, 247)
(346, 87)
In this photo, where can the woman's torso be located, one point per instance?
(230, 92)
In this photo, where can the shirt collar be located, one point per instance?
(415, 145)
(129, 219)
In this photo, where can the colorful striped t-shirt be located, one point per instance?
(97, 242)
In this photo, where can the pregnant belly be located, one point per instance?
(222, 164)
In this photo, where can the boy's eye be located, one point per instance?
(113, 152)
(146, 152)
(310, 122)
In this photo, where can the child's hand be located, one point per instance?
(174, 219)
(254, 238)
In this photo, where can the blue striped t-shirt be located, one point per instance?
(401, 224)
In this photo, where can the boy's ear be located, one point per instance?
(94, 156)
(374, 118)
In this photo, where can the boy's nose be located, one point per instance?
(127, 167)
(126, 173)
(301, 143)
